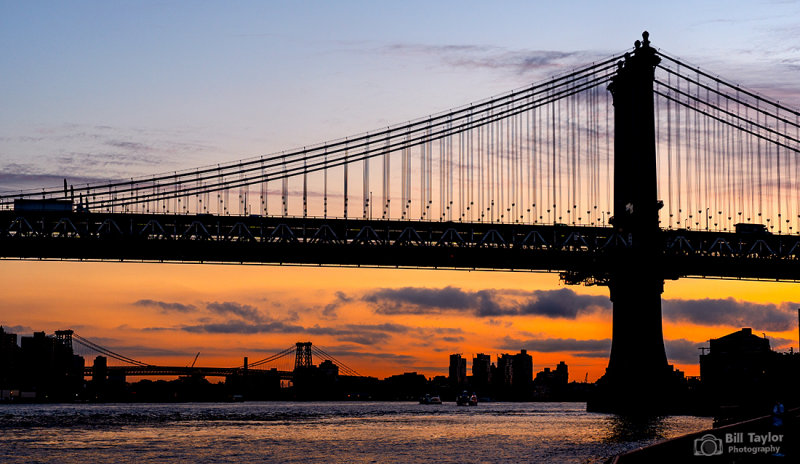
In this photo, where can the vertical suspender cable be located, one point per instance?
(609, 180)
(387, 161)
(669, 155)
(365, 183)
(554, 179)
(659, 153)
(528, 151)
(344, 191)
(285, 190)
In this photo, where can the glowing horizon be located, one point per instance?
(174, 311)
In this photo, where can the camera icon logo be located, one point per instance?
(707, 445)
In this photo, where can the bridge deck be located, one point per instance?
(583, 253)
(176, 370)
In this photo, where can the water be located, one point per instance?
(324, 432)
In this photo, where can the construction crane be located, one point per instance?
(195, 358)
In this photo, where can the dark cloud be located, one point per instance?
(731, 312)
(245, 311)
(778, 342)
(367, 338)
(498, 322)
(414, 300)
(317, 330)
(517, 61)
(243, 327)
(165, 306)
(127, 145)
(488, 57)
(93, 153)
(683, 351)
(330, 309)
(769, 69)
(105, 160)
(591, 347)
(388, 327)
(361, 334)
(9, 176)
(17, 329)
(561, 303)
(446, 330)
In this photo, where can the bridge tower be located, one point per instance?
(637, 373)
(65, 337)
(302, 357)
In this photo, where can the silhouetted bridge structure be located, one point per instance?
(628, 171)
(576, 251)
(150, 371)
(302, 353)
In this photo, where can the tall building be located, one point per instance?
(562, 373)
(522, 368)
(481, 370)
(9, 359)
(504, 372)
(458, 370)
(513, 376)
(49, 367)
(551, 384)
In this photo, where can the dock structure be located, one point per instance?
(752, 441)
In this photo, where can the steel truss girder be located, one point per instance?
(586, 250)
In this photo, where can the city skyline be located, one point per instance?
(138, 103)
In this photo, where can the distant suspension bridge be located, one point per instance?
(302, 352)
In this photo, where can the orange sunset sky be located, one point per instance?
(378, 321)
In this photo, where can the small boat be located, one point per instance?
(428, 399)
(465, 399)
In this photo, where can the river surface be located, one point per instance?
(324, 432)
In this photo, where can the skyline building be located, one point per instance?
(481, 370)
(457, 373)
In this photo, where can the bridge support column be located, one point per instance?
(638, 378)
(638, 374)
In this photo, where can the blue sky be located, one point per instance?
(98, 89)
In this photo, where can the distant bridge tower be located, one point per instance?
(65, 337)
(302, 358)
(637, 372)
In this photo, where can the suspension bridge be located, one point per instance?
(625, 172)
(302, 356)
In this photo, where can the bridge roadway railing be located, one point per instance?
(176, 370)
(583, 253)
